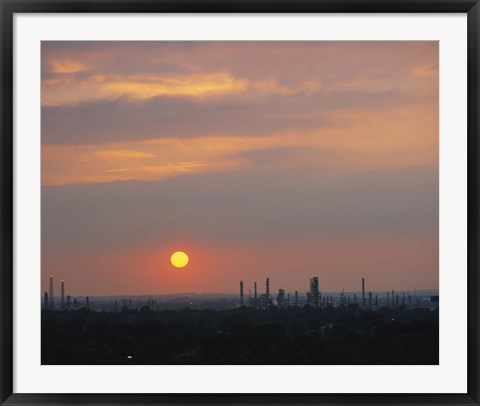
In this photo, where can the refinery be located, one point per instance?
(313, 297)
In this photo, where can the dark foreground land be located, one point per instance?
(341, 335)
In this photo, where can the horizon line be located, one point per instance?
(259, 293)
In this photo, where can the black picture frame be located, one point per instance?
(9, 8)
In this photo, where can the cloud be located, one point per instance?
(178, 167)
(121, 170)
(254, 114)
(197, 85)
(67, 66)
(425, 71)
(269, 156)
(354, 141)
(75, 89)
(146, 90)
(290, 60)
(123, 153)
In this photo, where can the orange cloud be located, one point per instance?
(58, 91)
(124, 153)
(424, 71)
(356, 141)
(116, 170)
(174, 167)
(196, 85)
(67, 66)
(271, 85)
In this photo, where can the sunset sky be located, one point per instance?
(278, 159)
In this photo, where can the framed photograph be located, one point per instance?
(239, 202)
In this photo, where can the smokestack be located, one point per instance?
(52, 301)
(45, 301)
(363, 292)
(63, 295)
(241, 293)
(88, 303)
(267, 287)
(296, 298)
(255, 293)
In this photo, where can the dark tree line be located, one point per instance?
(343, 335)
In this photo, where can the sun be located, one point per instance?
(179, 259)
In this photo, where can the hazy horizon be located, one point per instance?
(233, 294)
